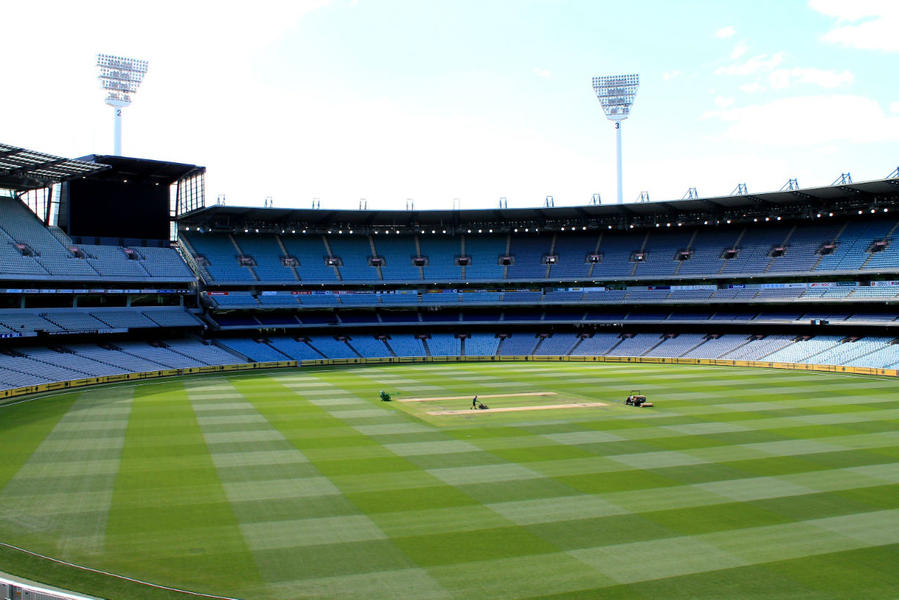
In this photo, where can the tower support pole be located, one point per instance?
(117, 131)
(618, 149)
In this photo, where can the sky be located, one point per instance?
(462, 102)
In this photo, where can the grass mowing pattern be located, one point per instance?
(297, 484)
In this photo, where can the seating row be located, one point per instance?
(31, 251)
(877, 352)
(245, 299)
(353, 318)
(37, 365)
(770, 248)
(30, 322)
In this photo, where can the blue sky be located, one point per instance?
(390, 100)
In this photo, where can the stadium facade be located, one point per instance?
(94, 288)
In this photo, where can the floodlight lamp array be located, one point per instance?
(616, 94)
(120, 77)
(797, 211)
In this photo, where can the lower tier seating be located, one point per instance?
(33, 365)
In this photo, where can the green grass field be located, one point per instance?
(300, 484)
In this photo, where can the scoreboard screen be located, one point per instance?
(118, 209)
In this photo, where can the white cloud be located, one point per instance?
(875, 23)
(894, 107)
(854, 11)
(726, 32)
(545, 73)
(752, 88)
(756, 64)
(739, 50)
(810, 121)
(723, 101)
(669, 75)
(784, 78)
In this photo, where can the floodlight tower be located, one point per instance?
(616, 93)
(120, 77)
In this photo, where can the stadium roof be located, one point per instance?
(141, 169)
(790, 204)
(23, 170)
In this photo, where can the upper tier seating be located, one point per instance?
(267, 253)
(529, 253)
(49, 257)
(164, 263)
(485, 252)
(801, 249)
(354, 253)
(572, 252)
(887, 258)
(617, 252)
(397, 253)
(29, 251)
(112, 261)
(441, 254)
(660, 255)
(312, 255)
(726, 251)
(222, 258)
(754, 249)
(708, 249)
(853, 243)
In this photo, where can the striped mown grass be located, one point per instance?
(301, 484)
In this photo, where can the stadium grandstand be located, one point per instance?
(114, 266)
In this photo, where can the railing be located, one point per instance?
(19, 589)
